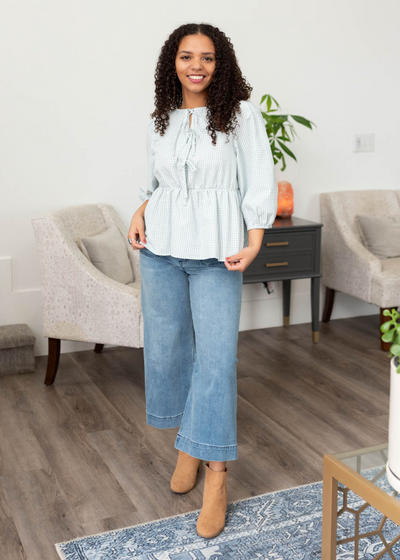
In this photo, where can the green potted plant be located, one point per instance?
(278, 127)
(391, 333)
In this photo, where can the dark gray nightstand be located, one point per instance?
(291, 249)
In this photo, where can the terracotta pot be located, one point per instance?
(393, 464)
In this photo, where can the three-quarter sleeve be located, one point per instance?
(255, 169)
(152, 182)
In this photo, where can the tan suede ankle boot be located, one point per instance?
(185, 474)
(211, 519)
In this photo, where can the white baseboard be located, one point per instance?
(259, 309)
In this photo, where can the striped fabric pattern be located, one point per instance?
(203, 199)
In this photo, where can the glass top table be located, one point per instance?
(361, 510)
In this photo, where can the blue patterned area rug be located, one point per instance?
(283, 525)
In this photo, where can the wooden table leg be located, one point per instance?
(315, 308)
(286, 286)
(329, 513)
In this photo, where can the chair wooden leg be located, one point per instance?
(98, 348)
(329, 299)
(53, 360)
(385, 346)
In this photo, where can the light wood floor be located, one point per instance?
(78, 458)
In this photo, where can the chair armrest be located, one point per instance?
(79, 301)
(347, 266)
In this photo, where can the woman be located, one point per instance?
(211, 192)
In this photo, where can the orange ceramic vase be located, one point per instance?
(285, 200)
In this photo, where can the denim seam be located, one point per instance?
(206, 444)
(164, 417)
(193, 359)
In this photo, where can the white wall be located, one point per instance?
(77, 91)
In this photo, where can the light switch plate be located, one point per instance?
(364, 143)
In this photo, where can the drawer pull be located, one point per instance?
(277, 243)
(277, 264)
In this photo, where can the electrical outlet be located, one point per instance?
(364, 143)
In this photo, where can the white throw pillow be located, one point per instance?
(381, 235)
(108, 252)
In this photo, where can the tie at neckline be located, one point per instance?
(188, 148)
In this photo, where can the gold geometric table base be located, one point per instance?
(357, 537)
(335, 471)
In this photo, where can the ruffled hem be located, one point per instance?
(210, 225)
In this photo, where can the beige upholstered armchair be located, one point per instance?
(79, 301)
(347, 265)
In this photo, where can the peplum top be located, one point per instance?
(203, 199)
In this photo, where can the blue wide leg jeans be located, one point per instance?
(191, 311)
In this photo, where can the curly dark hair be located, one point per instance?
(227, 88)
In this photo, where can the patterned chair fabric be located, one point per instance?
(80, 302)
(347, 266)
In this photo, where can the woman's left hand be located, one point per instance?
(245, 257)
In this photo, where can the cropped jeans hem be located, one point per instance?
(206, 452)
(164, 421)
(191, 315)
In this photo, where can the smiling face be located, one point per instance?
(195, 65)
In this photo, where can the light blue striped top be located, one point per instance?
(203, 199)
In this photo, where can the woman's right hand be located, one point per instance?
(136, 229)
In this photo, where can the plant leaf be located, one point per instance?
(275, 101)
(302, 121)
(286, 149)
(395, 349)
(385, 327)
(388, 336)
(278, 118)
